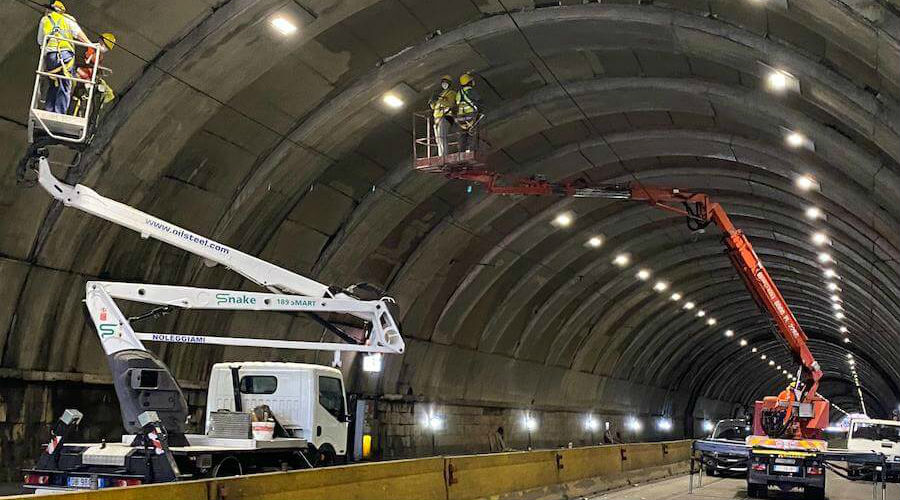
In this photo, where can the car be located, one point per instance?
(732, 429)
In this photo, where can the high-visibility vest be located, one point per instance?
(444, 103)
(464, 104)
(56, 24)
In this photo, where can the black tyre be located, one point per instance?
(228, 466)
(757, 490)
(710, 470)
(325, 456)
(814, 493)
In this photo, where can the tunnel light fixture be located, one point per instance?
(846, 340)
(434, 422)
(372, 363)
(777, 81)
(392, 101)
(835, 298)
(849, 355)
(660, 286)
(591, 424)
(754, 350)
(829, 273)
(688, 305)
(595, 242)
(643, 274)
(843, 329)
(622, 259)
(283, 26)
(743, 343)
(701, 313)
(664, 424)
(634, 425)
(839, 315)
(729, 333)
(824, 257)
(772, 363)
(796, 139)
(813, 213)
(819, 238)
(711, 321)
(530, 423)
(778, 367)
(837, 307)
(784, 372)
(707, 426)
(805, 182)
(564, 219)
(832, 287)
(675, 297)
(762, 356)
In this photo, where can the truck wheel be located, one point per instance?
(325, 456)
(228, 466)
(757, 490)
(710, 471)
(814, 493)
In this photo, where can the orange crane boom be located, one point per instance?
(700, 211)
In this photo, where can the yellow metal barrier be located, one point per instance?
(436, 478)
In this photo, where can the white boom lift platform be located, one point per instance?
(68, 128)
(156, 447)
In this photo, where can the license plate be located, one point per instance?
(79, 482)
(785, 468)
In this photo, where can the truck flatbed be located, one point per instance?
(204, 443)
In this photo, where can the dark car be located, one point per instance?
(732, 429)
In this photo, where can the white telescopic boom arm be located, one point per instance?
(116, 333)
(257, 270)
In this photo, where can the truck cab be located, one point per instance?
(307, 400)
(879, 436)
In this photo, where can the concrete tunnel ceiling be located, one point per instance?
(280, 146)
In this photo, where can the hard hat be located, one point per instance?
(466, 78)
(58, 6)
(109, 40)
(792, 385)
(447, 78)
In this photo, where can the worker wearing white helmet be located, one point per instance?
(60, 56)
(442, 104)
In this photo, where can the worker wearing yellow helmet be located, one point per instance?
(56, 31)
(468, 110)
(442, 104)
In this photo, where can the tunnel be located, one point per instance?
(266, 125)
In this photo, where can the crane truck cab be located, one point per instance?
(308, 401)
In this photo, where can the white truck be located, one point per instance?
(307, 403)
(878, 436)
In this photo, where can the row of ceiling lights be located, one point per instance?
(623, 260)
(821, 240)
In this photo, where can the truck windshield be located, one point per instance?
(732, 431)
(876, 432)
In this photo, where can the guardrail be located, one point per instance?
(546, 472)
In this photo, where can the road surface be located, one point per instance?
(836, 488)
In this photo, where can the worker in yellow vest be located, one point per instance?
(60, 54)
(442, 104)
(468, 111)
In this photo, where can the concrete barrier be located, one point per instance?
(534, 474)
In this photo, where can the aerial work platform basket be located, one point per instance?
(70, 127)
(455, 158)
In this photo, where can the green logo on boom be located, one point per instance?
(107, 329)
(227, 298)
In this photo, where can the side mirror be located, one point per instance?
(344, 417)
